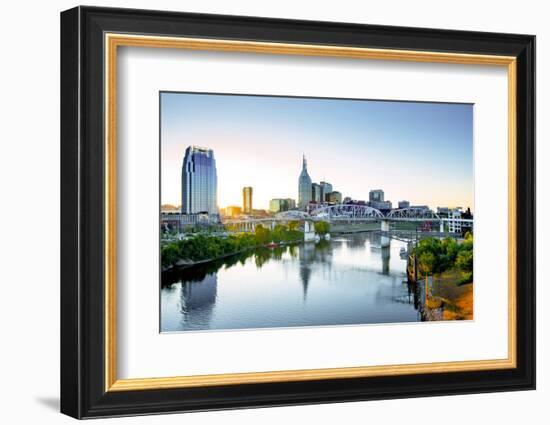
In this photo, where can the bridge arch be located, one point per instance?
(412, 213)
(347, 212)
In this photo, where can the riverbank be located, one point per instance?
(455, 300)
(203, 248)
(183, 263)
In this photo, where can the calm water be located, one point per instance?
(349, 280)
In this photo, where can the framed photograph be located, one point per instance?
(261, 212)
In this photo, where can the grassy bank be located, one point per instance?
(455, 298)
(205, 247)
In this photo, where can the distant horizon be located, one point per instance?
(414, 151)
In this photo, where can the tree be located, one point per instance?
(279, 233)
(465, 260)
(262, 234)
(322, 227)
(293, 225)
(169, 255)
(426, 262)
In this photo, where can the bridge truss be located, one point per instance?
(346, 212)
(412, 214)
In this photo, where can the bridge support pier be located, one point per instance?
(309, 231)
(441, 227)
(384, 227)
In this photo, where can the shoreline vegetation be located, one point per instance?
(449, 265)
(203, 247)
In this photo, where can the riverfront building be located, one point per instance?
(376, 200)
(199, 182)
(304, 187)
(233, 211)
(403, 204)
(455, 225)
(178, 221)
(281, 204)
(247, 200)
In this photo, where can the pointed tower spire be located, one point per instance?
(304, 186)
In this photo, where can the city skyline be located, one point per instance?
(356, 145)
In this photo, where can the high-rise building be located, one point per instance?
(326, 188)
(334, 197)
(290, 203)
(281, 204)
(376, 195)
(199, 181)
(277, 205)
(315, 192)
(304, 186)
(247, 200)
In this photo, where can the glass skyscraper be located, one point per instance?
(326, 188)
(199, 181)
(304, 187)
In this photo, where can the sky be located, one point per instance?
(415, 151)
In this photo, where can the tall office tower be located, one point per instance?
(247, 200)
(315, 192)
(199, 181)
(304, 186)
(326, 188)
(376, 195)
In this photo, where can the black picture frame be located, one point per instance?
(83, 392)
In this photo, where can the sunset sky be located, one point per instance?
(420, 152)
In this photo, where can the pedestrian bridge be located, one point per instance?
(347, 213)
(363, 212)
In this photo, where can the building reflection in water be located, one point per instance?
(199, 298)
(309, 254)
(306, 255)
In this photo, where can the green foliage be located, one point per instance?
(467, 277)
(262, 234)
(322, 227)
(169, 254)
(205, 246)
(293, 225)
(426, 262)
(465, 260)
(436, 255)
(278, 234)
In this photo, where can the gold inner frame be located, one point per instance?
(113, 41)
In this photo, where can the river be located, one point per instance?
(348, 280)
